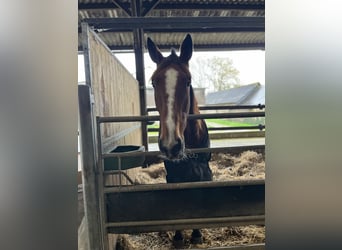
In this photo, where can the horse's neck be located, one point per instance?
(193, 103)
(196, 132)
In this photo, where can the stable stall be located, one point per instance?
(113, 114)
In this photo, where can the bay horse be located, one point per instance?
(175, 100)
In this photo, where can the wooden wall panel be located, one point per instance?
(116, 93)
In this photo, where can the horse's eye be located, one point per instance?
(188, 83)
(153, 84)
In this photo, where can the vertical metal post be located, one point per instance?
(138, 35)
(89, 180)
(101, 182)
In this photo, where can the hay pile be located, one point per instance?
(248, 165)
(213, 237)
(152, 175)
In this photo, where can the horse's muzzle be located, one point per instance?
(173, 151)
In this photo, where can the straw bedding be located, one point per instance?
(248, 165)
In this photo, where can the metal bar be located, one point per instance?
(171, 6)
(222, 107)
(148, 7)
(190, 117)
(119, 5)
(215, 6)
(100, 185)
(138, 36)
(89, 180)
(111, 141)
(220, 29)
(197, 47)
(140, 76)
(97, 6)
(248, 219)
(185, 205)
(200, 47)
(120, 171)
(232, 150)
(182, 186)
(171, 225)
(205, 23)
(260, 127)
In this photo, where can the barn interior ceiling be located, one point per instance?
(214, 24)
(124, 25)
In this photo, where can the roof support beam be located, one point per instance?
(200, 47)
(169, 23)
(171, 6)
(122, 6)
(211, 47)
(212, 6)
(187, 30)
(149, 7)
(138, 36)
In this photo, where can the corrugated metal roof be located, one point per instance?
(204, 39)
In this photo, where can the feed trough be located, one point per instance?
(128, 161)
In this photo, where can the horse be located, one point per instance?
(175, 100)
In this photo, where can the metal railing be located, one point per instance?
(225, 107)
(94, 183)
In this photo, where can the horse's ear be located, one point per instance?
(186, 49)
(154, 52)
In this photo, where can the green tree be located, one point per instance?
(216, 73)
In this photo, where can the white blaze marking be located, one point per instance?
(171, 76)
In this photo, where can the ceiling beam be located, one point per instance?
(187, 30)
(149, 7)
(197, 47)
(171, 6)
(170, 23)
(123, 6)
(99, 6)
(211, 6)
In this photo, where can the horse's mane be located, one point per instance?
(193, 102)
(196, 125)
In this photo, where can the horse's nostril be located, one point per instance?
(177, 148)
(161, 147)
(173, 151)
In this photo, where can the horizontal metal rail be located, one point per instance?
(178, 224)
(260, 127)
(182, 185)
(222, 107)
(173, 206)
(241, 24)
(190, 117)
(233, 150)
(202, 204)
